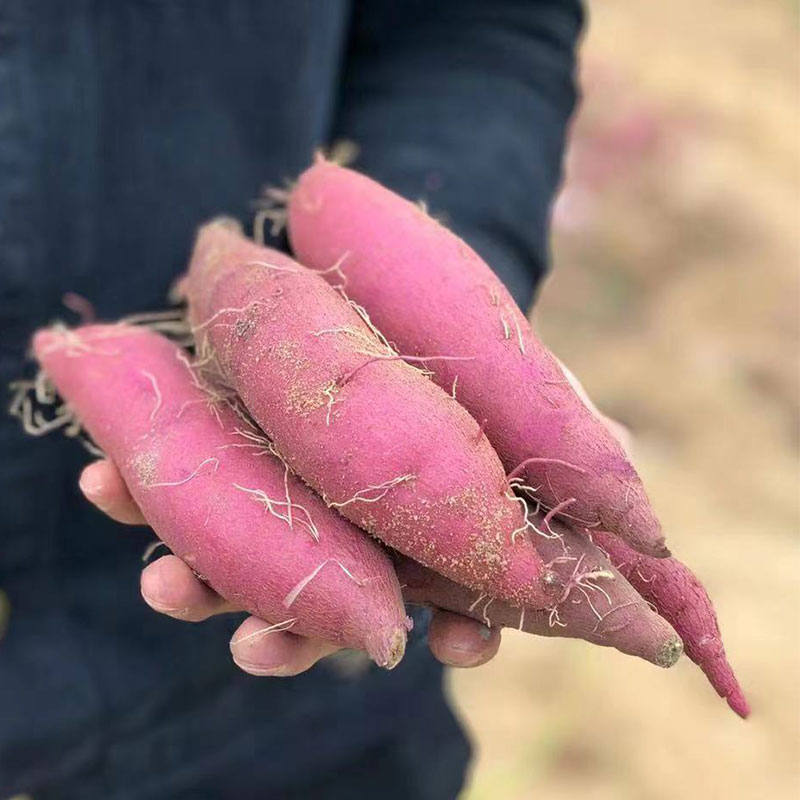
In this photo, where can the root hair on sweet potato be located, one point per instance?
(361, 496)
(271, 507)
(336, 269)
(158, 399)
(408, 359)
(517, 471)
(191, 476)
(295, 592)
(255, 636)
(274, 267)
(362, 312)
(150, 549)
(271, 207)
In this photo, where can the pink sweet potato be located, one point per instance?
(431, 293)
(213, 491)
(597, 603)
(680, 598)
(379, 441)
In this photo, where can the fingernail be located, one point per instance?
(162, 609)
(261, 670)
(465, 658)
(89, 486)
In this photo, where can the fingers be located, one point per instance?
(102, 485)
(259, 648)
(170, 587)
(461, 642)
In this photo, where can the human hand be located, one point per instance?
(170, 587)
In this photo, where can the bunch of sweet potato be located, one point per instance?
(386, 382)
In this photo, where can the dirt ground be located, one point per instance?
(676, 298)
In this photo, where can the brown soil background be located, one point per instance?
(675, 297)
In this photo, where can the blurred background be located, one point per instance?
(675, 297)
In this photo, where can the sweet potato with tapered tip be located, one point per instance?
(372, 434)
(209, 485)
(597, 603)
(429, 292)
(679, 597)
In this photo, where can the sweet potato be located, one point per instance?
(379, 441)
(680, 598)
(429, 292)
(208, 483)
(597, 603)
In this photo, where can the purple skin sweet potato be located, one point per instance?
(680, 598)
(376, 438)
(597, 603)
(429, 292)
(219, 498)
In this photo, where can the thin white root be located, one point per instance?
(527, 522)
(554, 618)
(148, 317)
(274, 267)
(557, 509)
(485, 613)
(336, 269)
(150, 549)
(214, 461)
(278, 627)
(365, 338)
(206, 377)
(295, 592)
(362, 312)
(231, 310)
(583, 591)
(453, 390)
(32, 420)
(642, 577)
(522, 620)
(363, 495)
(530, 492)
(92, 448)
(585, 581)
(611, 611)
(289, 498)
(506, 329)
(519, 336)
(517, 471)
(330, 392)
(343, 152)
(475, 604)
(411, 360)
(172, 323)
(156, 390)
(585, 524)
(277, 218)
(272, 207)
(44, 391)
(274, 507)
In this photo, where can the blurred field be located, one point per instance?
(676, 299)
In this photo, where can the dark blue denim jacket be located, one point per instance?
(123, 124)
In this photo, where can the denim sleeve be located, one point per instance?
(465, 104)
